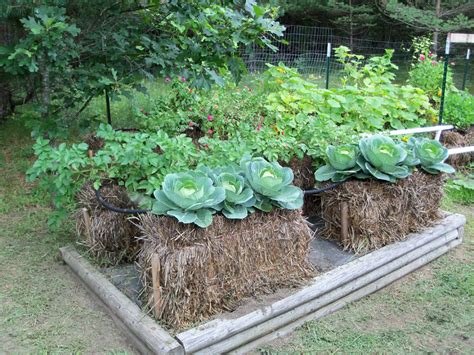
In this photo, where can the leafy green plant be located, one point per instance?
(271, 184)
(427, 74)
(383, 158)
(461, 188)
(459, 109)
(138, 161)
(190, 197)
(342, 164)
(432, 155)
(239, 198)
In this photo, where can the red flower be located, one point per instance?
(167, 79)
(191, 123)
(210, 117)
(259, 127)
(434, 62)
(430, 54)
(210, 131)
(282, 133)
(183, 79)
(422, 57)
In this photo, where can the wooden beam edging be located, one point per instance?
(326, 300)
(146, 330)
(208, 334)
(354, 296)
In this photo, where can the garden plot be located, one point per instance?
(344, 278)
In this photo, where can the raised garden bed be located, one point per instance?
(346, 278)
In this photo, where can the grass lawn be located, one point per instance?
(44, 309)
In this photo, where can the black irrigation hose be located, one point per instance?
(324, 189)
(107, 205)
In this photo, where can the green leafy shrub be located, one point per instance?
(427, 74)
(461, 189)
(367, 101)
(459, 109)
(138, 161)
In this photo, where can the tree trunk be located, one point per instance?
(436, 31)
(351, 39)
(5, 101)
(45, 87)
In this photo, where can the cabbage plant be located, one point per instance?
(190, 197)
(383, 158)
(431, 155)
(342, 164)
(239, 198)
(272, 184)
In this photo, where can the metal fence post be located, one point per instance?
(466, 66)
(443, 85)
(328, 62)
(107, 105)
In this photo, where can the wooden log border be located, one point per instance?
(325, 294)
(226, 335)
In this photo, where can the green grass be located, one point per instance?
(44, 310)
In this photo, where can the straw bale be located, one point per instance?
(381, 213)
(452, 139)
(304, 179)
(109, 236)
(206, 271)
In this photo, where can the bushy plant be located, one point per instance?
(138, 161)
(367, 101)
(459, 109)
(427, 74)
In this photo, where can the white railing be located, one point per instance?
(438, 130)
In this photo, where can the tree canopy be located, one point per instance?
(72, 50)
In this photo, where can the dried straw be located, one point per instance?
(453, 139)
(304, 179)
(381, 213)
(109, 236)
(206, 271)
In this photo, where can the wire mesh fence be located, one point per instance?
(305, 48)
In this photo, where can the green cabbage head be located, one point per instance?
(190, 197)
(272, 184)
(239, 198)
(432, 155)
(383, 158)
(342, 164)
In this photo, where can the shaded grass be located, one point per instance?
(42, 308)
